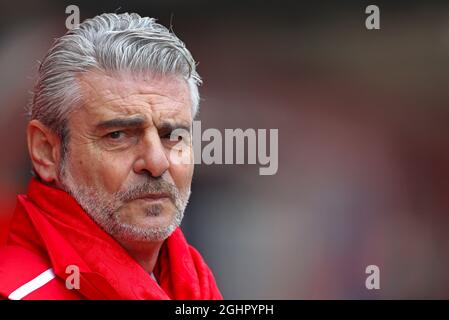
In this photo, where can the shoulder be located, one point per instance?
(25, 275)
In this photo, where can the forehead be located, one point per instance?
(125, 94)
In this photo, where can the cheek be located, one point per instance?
(114, 171)
(182, 175)
(180, 172)
(105, 171)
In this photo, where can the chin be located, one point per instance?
(150, 230)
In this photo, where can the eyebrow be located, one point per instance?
(139, 122)
(171, 126)
(122, 123)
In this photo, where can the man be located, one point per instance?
(102, 214)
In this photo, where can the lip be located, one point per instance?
(153, 196)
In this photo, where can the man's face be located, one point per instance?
(119, 167)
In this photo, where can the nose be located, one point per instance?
(152, 157)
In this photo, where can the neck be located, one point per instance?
(144, 253)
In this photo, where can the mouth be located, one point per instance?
(153, 196)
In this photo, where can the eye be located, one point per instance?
(119, 139)
(115, 135)
(169, 136)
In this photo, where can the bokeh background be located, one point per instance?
(363, 119)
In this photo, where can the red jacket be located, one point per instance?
(50, 233)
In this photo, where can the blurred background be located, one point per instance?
(363, 119)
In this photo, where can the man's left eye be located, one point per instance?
(171, 136)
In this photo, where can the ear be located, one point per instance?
(44, 149)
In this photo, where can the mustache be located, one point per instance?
(154, 185)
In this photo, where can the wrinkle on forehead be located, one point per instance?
(127, 94)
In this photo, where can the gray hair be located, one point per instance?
(108, 42)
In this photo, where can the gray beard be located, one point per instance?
(104, 207)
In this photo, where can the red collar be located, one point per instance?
(49, 221)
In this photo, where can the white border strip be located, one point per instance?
(32, 285)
